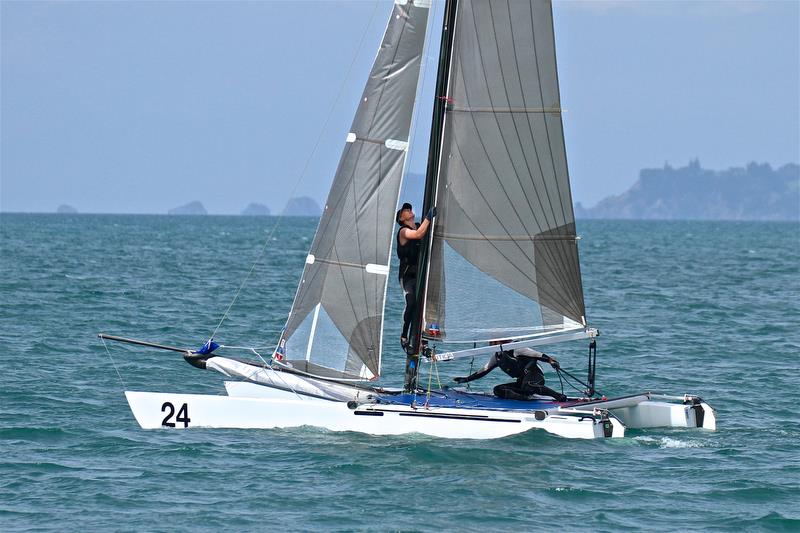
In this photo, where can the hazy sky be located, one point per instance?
(138, 107)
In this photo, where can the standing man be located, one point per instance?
(409, 237)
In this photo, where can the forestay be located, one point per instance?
(335, 325)
(504, 257)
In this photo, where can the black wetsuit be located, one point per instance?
(408, 254)
(523, 365)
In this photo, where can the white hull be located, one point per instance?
(252, 406)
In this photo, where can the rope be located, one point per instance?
(438, 379)
(559, 370)
(582, 391)
(122, 381)
(430, 378)
(302, 174)
(433, 368)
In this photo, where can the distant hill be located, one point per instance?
(65, 209)
(302, 206)
(192, 208)
(257, 210)
(757, 192)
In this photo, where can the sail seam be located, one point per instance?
(546, 128)
(524, 274)
(557, 256)
(560, 257)
(492, 166)
(577, 270)
(532, 238)
(530, 130)
(553, 256)
(521, 110)
(548, 287)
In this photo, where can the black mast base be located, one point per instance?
(412, 372)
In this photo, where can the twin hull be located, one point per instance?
(284, 400)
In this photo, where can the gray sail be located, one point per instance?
(504, 257)
(335, 326)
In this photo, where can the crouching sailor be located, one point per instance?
(523, 365)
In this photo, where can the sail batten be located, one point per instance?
(506, 228)
(553, 110)
(334, 328)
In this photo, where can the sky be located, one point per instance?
(139, 107)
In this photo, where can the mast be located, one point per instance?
(431, 184)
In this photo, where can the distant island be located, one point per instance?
(756, 192)
(65, 209)
(302, 206)
(256, 210)
(192, 208)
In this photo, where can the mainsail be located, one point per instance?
(335, 325)
(503, 257)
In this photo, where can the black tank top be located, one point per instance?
(408, 254)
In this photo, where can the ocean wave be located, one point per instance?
(668, 442)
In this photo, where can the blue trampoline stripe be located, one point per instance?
(466, 400)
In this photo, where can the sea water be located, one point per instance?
(710, 308)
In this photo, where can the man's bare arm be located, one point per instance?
(490, 365)
(415, 234)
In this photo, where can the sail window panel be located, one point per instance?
(297, 345)
(345, 336)
(329, 348)
(480, 308)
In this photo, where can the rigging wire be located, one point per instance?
(303, 172)
(433, 367)
(277, 374)
(560, 380)
(471, 364)
(122, 381)
(430, 378)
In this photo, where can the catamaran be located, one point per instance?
(499, 265)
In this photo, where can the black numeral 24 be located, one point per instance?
(183, 415)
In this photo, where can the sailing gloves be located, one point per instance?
(431, 213)
(552, 360)
(460, 380)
